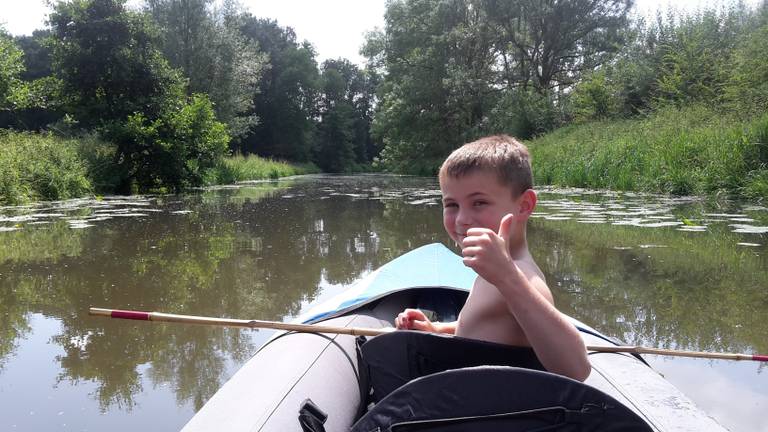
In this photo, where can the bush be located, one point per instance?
(171, 152)
(40, 167)
(525, 114)
(595, 98)
(747, 89)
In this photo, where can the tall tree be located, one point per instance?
(437, 60)
(551, 43)
(11, 68)
(345, 109)
(108, 61)
(117, 81)
(205, 43)
(287, 96)
(456, 69)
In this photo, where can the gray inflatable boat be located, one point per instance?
(328, 382)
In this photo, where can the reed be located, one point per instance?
(689, 151)
(240, 168)
(40, 167)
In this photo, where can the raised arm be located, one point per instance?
(555, 340)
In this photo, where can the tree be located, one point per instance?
(107, 60)
(550, 43)
(457, 69)
(205, 43)
(115, 80)
(11, 69)
(437, 60)
(286, 100)
(345, 106)
(174, 150)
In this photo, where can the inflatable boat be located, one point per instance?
(414, 381)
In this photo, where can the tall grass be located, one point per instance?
(677, 151)
(240, 168)
(40, 167)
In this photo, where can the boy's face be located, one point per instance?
(475, 200)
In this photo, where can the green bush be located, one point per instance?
(40, 167)
(747, 89)
(595, 98)
(171, 152)
(525, 114)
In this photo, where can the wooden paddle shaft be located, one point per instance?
(358, 331)
(228, 322)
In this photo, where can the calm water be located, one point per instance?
(668, 273)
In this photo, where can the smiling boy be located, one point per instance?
(487, 200)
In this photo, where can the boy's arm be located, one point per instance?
(555, 340)
(414, 319)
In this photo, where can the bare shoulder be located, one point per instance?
(535, 277)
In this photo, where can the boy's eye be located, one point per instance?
(450, 205)
(479, 203)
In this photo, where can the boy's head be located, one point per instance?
(502, 155)
(483, 181)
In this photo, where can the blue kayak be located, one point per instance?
(296, 373)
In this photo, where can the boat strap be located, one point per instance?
(311, 417)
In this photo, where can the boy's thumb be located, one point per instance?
(505, 227)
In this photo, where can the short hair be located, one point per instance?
(507, 157)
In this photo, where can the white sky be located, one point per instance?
(335, 27)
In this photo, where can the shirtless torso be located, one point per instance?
(486, 316)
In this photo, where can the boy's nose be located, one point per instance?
(463, 219)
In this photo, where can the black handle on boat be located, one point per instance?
(359, 331)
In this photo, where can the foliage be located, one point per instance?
(456, 70)
(679, 59)
(342, 139)
(206, 44)
(40, 167)
(595, 98)
(170, 152)
(747, 89)
(11, 67)
(526, 113)
(696, 150)
(551, 44)
(107, 60)
(287, 93)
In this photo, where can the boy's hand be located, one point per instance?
(487, 252)
(414, 319)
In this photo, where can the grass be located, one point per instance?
(241, 168)
(40, 167)
(690, 151)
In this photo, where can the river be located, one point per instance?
(668, 272)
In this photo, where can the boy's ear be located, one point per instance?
(528, 201)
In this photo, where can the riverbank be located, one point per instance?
(41, 167)
(689, 151)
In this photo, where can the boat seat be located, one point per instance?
(498, 398)
(395, 358)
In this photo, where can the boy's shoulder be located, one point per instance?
(534, 275)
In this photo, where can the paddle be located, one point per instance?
(359, 331)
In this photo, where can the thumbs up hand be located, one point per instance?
(487, 252)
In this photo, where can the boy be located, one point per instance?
(487, 199)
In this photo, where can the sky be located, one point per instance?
(335, 27)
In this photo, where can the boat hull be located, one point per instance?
(267, 393)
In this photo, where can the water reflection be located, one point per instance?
(634, 266)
